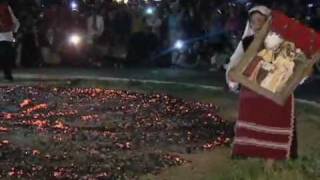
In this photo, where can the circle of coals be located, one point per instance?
(95, 133)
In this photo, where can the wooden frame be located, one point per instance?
(299, 72)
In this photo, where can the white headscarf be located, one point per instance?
(238, 53)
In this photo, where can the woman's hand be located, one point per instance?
(314, 60)
(233, 87)
(303, 80)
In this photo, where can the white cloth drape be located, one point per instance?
(239, 52)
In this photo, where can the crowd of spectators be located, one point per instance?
(175, 33)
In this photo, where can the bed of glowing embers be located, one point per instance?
(92, 133)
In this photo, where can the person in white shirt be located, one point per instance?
(154, 22)
(95, 29)
(95, 26)
(7, 51)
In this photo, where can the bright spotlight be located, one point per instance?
(149, 10)
(74, 6)
(75, 39)
(179, 44)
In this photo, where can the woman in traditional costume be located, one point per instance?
(263, 129)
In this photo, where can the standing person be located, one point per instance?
(263, 129)
(8, 25)
(95, 26)
(29, 42)
(95, 29)
(154, 22)
(176, 31)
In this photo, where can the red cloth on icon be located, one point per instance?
(6, 21)
(252, 66)
(290, 29)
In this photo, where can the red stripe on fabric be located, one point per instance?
(276, 138)
(261, 152)
(259, 127)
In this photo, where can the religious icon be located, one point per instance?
(281, 68)
(273, 65)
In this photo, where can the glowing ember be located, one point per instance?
(59, 125)
(25, 102)
(39, 123)
(35, 108)
(35, 152)
(7, 116)
(3, 129)
(89, 117)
